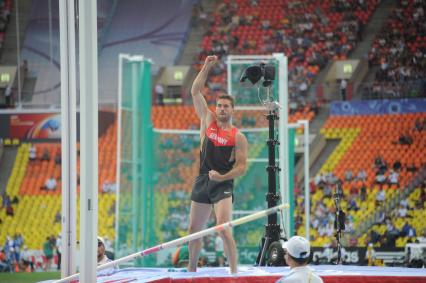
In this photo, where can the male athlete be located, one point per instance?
(223, 155)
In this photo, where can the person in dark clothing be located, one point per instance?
(223, 157)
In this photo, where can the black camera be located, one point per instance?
(255, 73)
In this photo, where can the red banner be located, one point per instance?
(35, 126)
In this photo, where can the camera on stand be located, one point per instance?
(271, 252)
(255, 73)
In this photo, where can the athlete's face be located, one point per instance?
(224, 110)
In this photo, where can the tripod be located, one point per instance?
(339, 221)
(271, 248)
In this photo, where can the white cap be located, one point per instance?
(298, 247)
(101, 240)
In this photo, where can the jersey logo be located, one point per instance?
(220, 137)
(220, 140)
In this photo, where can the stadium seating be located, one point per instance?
(184, 117)
(6, 7)
(362, 138)
(397, 52)
(241, 27)
(36, 210)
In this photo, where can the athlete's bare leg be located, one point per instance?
(200, 213)
(223, 211)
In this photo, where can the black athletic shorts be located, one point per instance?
(209, 191)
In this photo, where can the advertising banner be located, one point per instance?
(35, 126)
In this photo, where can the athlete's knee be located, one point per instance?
(196, 242)
(226, 235)
(193, 228)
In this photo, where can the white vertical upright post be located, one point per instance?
(283, 134)
(305, 124)
(121, 58)
(18, 53)
(88, 139)
(68, 136)
(229, 74)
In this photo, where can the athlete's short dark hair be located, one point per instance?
(227, 97)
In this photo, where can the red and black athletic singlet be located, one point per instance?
(218, 149)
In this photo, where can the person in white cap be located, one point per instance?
(103, 259)
(297, 251)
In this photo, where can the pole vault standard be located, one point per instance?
(185, 239)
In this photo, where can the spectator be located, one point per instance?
(296, 254)
(50, 184)
(397, 165)
(15, 200)
(374, 236)
(343, 87)
(58, 158)
(4, 265)
(18, 241)
(370, 255)
(48, 253)
(103, 259)
(405, 139)
(380, 164)
(354, 191)
(418, 125)
(108, 187)
(362, 175)
(9, 210)
(352, 204)
(319, 179)
(57, 217)
(6, 201)
(32, 153)
(408, 230)
(363, 194)
(331, 179)
(26, 260)
(391, 234)
(45, 156)
(180, 257)
(393, 178)
(348, 175)
(58, 246)
(401, 212)
(8, 95)
(159, 93)
(380, 196)
(380, 178)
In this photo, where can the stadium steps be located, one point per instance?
(8, 54)
(9, 156)
(314, 128)
(373, 27)
(324, 155)
(28, 89)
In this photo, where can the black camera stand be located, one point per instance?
(339, 221)
(270, 248)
